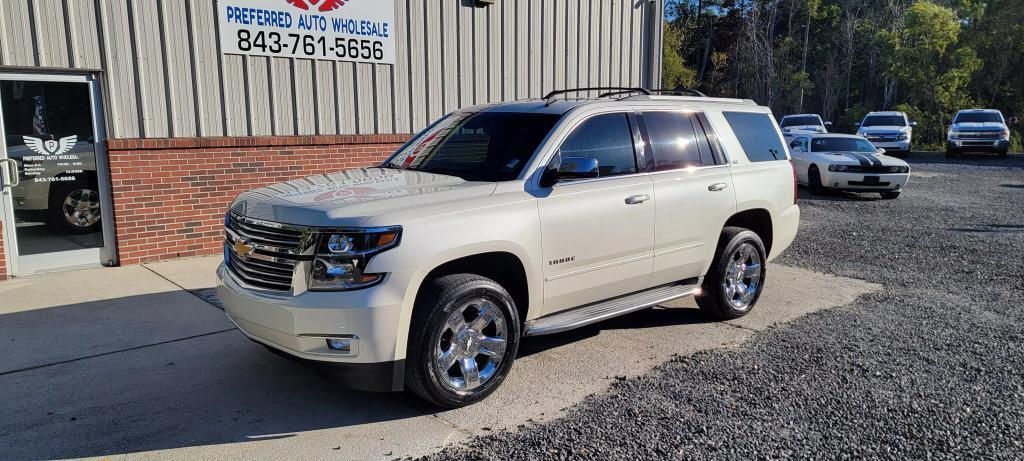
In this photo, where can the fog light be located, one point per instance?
(340, 344)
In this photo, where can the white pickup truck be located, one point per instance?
(978, 130)
(510, 220)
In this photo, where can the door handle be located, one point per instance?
(11, 173)
(718, 187)
(637, 199)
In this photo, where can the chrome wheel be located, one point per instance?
(742, 277)
(471, 345)
(82, 208)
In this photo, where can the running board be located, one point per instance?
(603, 310)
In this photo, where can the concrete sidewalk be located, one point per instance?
(140, 361)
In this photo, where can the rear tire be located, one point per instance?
(814, 181)
(734, 283)
(469, 323)
(890, 195)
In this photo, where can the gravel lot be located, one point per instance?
(931, 367)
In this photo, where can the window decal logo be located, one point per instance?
(321, 5)
(51, 147)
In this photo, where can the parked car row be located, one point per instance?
(971, 130)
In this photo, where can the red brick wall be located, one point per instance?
(170, 195)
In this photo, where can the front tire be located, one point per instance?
(75, 207)
(951, 153)
(463, 338)
(734, 283)
(890, 195)
(1003, 153)
(814, 181)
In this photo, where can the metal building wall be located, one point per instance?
(165, 77)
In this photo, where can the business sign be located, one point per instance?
(337, 30)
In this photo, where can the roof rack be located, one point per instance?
(680, 92)
(609, 90)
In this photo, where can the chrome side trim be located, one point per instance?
(603, 310)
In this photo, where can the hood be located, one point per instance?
(858, 158)
(974, 126)
(347, 198)
(804, 129)
(877, 129)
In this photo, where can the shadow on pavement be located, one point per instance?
(145, 373)
(138, 384)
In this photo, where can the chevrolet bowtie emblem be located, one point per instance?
(243, 249)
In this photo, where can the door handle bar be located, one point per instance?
(718, 187)
(637, 199)
(12, 178)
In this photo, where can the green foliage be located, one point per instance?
(675, 74)
(927, 58)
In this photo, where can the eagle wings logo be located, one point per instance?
(321, 5)
(48, 148)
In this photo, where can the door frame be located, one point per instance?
(105, 255)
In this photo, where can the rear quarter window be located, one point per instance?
(757, 134)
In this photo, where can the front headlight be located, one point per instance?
(862, 134)
(1006, 133)
(899, 169)
(341, 258)
(839, 168)
(902, 136)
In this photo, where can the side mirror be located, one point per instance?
(828, 123)
(881, 151)
(578, 168)
(913, 124)
(570, 168)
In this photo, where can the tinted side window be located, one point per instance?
(673, 141)
(757, 134)
(606, 138)
(701, 120)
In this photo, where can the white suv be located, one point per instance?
(978, 130)
(510, 220)
(892, 131)
(803, 123)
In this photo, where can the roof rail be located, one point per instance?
(609, 90)
(681, 92)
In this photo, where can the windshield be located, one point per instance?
(884, 120)
(841, 145)
(476, 146)
(801, 120)
(979, 117)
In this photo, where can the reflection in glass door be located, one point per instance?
(53, 205)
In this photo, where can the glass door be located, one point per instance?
(55, 197)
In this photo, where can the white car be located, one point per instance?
(803, 123)
(978, 130)
(892, 131)
(510, 220)
(826, 162)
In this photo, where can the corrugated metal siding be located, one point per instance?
(163, 79)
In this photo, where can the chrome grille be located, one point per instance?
(981, 134)
(270, 252)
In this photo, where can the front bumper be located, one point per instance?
(893, 146)
(863, 182)
(299, 325)
(978, 145)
